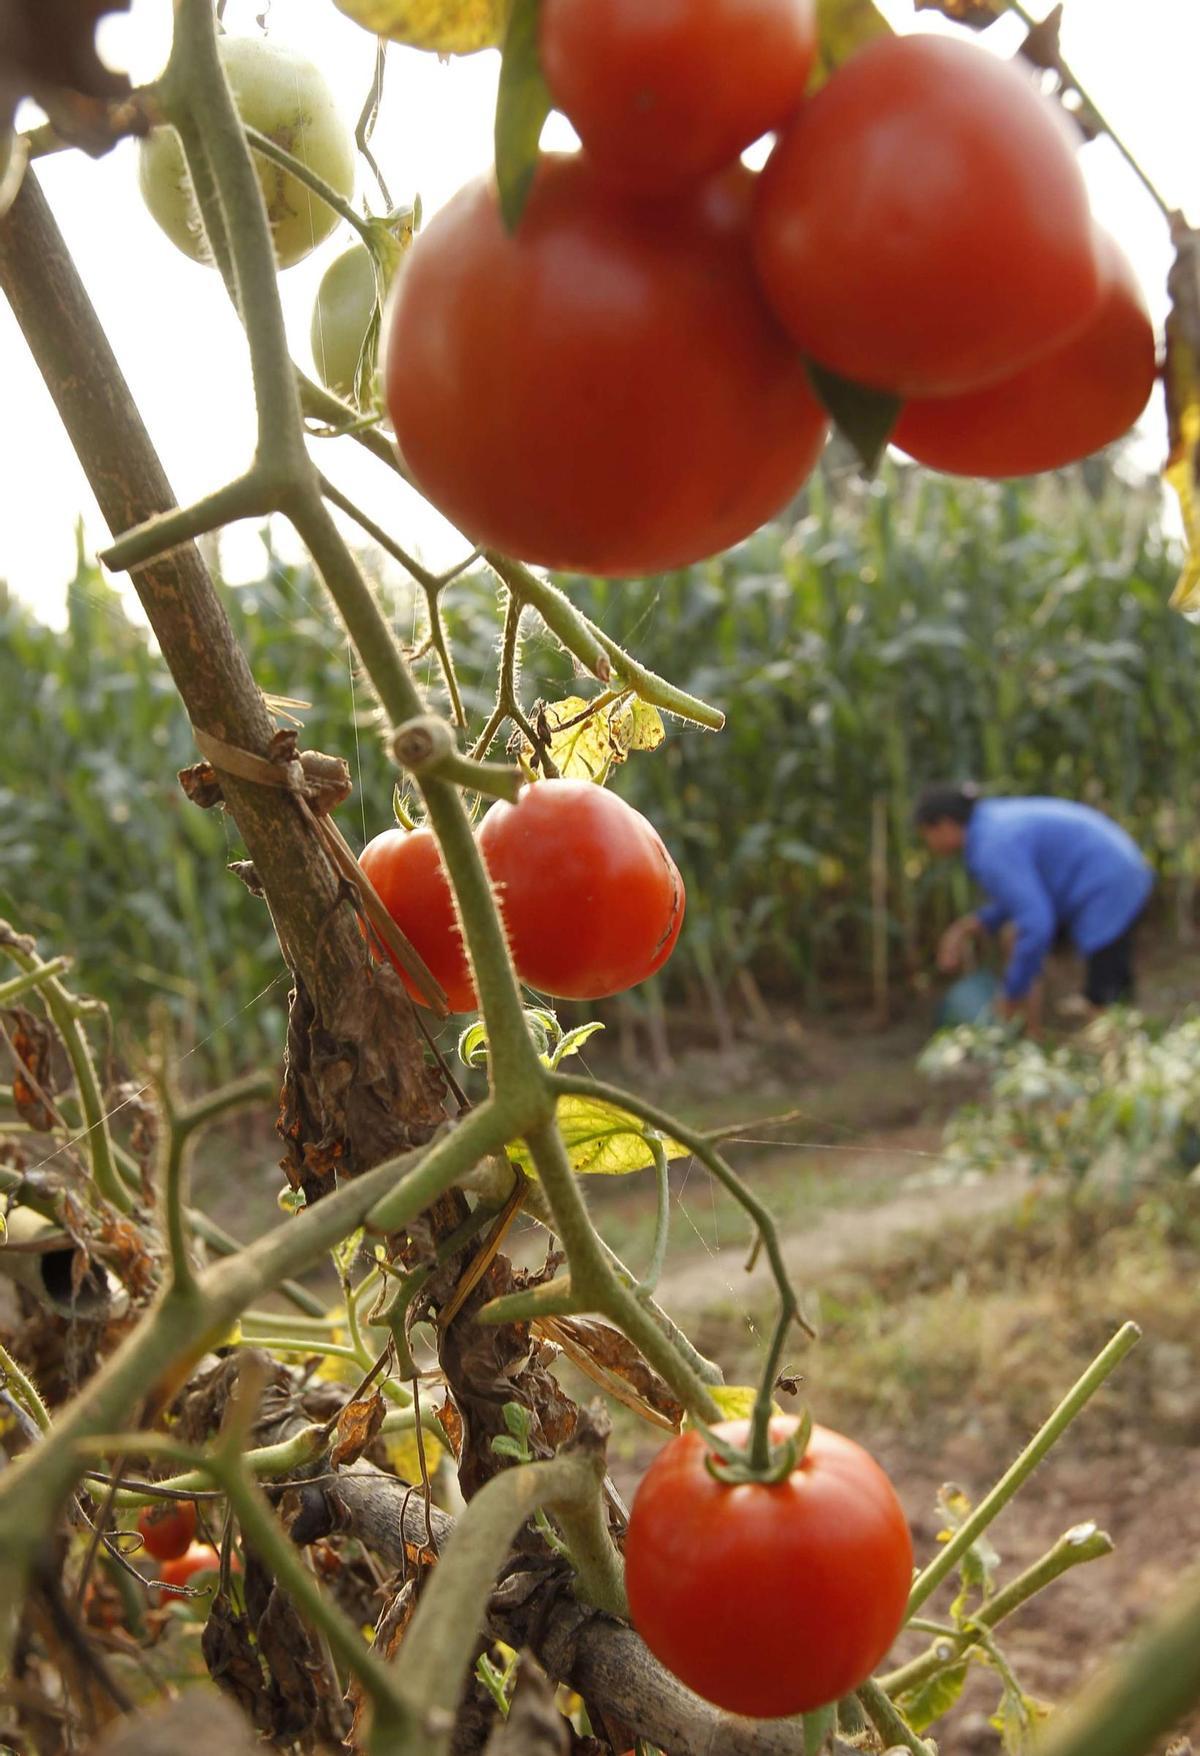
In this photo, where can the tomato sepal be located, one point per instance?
(864, 416)
(523, 102)
(734, 1467)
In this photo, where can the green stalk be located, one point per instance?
(1048, 1435)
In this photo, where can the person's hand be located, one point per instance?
(953, 943)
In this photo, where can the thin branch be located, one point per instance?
(303, 173)
(1048, 1435)
(1069, 79)
(1072, 1550)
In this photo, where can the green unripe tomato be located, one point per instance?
(342, 313)
(284, 96)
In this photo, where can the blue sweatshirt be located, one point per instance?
(1050, 865)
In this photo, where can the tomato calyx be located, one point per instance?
(760, 1462)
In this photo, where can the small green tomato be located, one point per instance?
(342, 313)
(284, 96)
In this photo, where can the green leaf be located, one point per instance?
(923, 1706)
(600, 1139)
(865, 417)
(845, 26)
(522, 105)
(574, 1041)
(450, 27)
(346, 1253)
(292, 1200)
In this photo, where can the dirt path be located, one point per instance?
(842, 1238)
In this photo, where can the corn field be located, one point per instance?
(887, 634)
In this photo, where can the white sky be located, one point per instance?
(181, 348)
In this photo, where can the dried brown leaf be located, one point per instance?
(389, 1632)
(611, 1361)
(357, 1425)
(33, 1080)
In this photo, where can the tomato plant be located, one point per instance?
(663, 95)
(1070, 403)
(341, 316)
(199, 1558)
(922, 226)
(406, 869)
(284, 96)
(167, 1529)
(592, 901)
(605, 391)
(768, 1599)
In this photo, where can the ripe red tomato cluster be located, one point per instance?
(591, 900)
(620, 386)
(768, 1599)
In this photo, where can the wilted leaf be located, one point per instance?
(1017, 1715)
(601, 1140)
(357, 1425)
(1182, 378)
(345, 1254)
(522, 105)
(389, 1632)
(845, 26)
(450, 1421)
(923, 1706)
(32, 1084)
(864, 417)
(585, 745)
(451, 27)
(612, 1362)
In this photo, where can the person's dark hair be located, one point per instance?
(955, 801)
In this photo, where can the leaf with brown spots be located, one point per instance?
(357, 1425)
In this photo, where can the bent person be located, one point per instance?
(1051, 869)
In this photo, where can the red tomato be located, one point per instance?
(591, 899)
(167, 1528)
(665, 95)
(1065, 406)
(200, 1558)
(607, 390)
(768, 1600)
(406, 869)
(923, 226)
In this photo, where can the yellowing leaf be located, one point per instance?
(451, 27)
(736, 1401)
(845, 26)
(585, 745)
(404, 1457)
(600, 1140)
